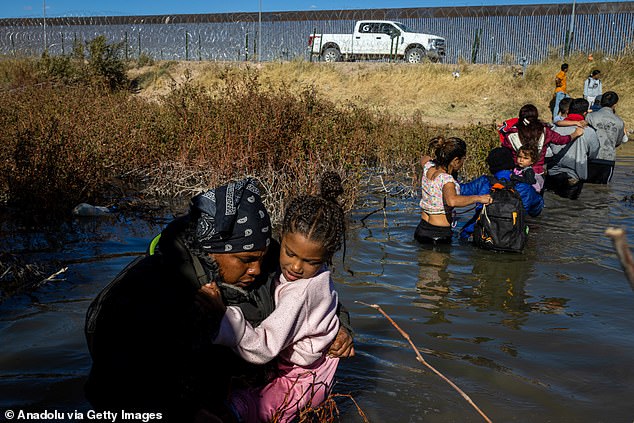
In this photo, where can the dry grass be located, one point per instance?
(429, 92)
(285, 123)
(68, 143)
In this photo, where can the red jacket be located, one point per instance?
(510, 139)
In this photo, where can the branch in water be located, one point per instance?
(422, 360)
(623, 251)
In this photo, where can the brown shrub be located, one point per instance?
(67, 144)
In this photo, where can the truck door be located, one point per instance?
(374, 38)
(370, 39)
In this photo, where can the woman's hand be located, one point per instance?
(209, 299)
(342, 347)
(424, 160)
(485, 199)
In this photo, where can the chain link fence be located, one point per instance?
(485, 34)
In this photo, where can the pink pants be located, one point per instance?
(293, 389)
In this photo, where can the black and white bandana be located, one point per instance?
(232, 218)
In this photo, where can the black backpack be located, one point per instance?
(501, 225)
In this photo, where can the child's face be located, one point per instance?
(523, 159)
(300, 257)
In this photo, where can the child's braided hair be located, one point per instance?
(319, 218)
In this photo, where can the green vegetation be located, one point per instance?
(101, 65)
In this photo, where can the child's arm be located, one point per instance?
(301, 305)
(558, 139)
(424, 160)
(475, 187)
(565, 122)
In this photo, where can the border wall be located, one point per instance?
(484, 34)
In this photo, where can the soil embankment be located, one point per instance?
(432, 93)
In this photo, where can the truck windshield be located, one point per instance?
(403, 27)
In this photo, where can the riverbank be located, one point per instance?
(429, 92)
(69, 137)
(542, 336)
(185, 126)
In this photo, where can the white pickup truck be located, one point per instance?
(378, 39)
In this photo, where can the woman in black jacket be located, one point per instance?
(150, 341)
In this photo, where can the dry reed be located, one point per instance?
(18, 276)
(420, 358)
(326, 412)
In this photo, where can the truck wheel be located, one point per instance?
(415, 55)
(331, 54)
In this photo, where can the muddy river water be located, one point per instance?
(545, 336)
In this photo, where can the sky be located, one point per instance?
(67, 8)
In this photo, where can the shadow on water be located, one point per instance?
(542, 336)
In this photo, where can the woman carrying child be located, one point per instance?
(502, 169)
(523, 171)
(304, 322)
(441, 192)
(531, 131)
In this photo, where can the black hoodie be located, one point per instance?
(151, 346)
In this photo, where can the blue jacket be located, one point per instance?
(533, 202)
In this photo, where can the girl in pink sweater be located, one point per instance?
(304, 322)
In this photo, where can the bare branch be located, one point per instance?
(52, 277)
(623, 251)
(420, 358)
